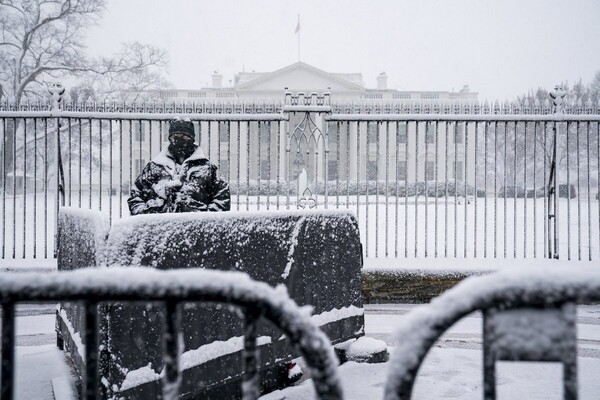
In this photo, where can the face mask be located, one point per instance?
(182, 148)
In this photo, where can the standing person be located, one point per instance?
(180, 178)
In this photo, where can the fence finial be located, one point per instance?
(558, 95)
(57, 90)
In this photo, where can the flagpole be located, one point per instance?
(298, 28)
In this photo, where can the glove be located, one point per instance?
(155, 203)
(184, 202)
(166, 188)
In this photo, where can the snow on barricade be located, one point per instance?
(315, 254)
(543, 287)
(197, 284)
(82, 235)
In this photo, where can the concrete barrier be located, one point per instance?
(316, 255)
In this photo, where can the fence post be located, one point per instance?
(557, 94)
(57, 90)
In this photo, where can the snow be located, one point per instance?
(96, 220)
(456, 374)
(216, 349)
(35, 368)
(236, 226)
(453, 266)
(75, 336)
(145, 116)
(34, 325)
(337, 314)
(190, 359)
(447, 373)
(536, 284)
(63, 389)
(378, 231)
(460, 117)
(139, 376)
(532, 333)
(364, 347)
(293, 244)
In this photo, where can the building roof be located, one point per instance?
(296, 75)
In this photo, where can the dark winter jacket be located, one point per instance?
(165, 186)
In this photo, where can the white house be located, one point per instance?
(260, 151)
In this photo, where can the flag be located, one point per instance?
(298, 25)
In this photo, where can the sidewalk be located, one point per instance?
(453, 368)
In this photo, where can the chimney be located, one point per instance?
(382, 81)
(217, 80)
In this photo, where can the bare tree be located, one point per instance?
(43, 40)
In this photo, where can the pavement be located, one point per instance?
(39, 362)
(381, 319)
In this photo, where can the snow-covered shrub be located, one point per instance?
(262, 188)
(394, 188)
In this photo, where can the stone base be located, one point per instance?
(407, 286)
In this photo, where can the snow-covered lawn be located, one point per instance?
(387, 224)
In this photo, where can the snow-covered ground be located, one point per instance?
(451, 370)
(38, 360)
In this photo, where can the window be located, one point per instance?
(140, 163)
(401, 96)
(265, 166)
(371, 170)
(264, 133)
(224, 133)
(430, 96)
(430, 133)
(332, 170)
(402, 132)
(224, 168)
(460, 132)
(333, 133)
(166, 94)
(429, 170)
(138, 131)
(372, 133)
(196, 93)
(402, 170)
(225, 95)
(457, 170)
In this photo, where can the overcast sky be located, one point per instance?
(500, 48)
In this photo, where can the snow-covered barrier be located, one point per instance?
(82, 237)
(96, 285)
(316, 255)
(528, 316)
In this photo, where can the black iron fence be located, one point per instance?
(425, 180)
(518, 307)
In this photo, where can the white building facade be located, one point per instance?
(355, 151)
